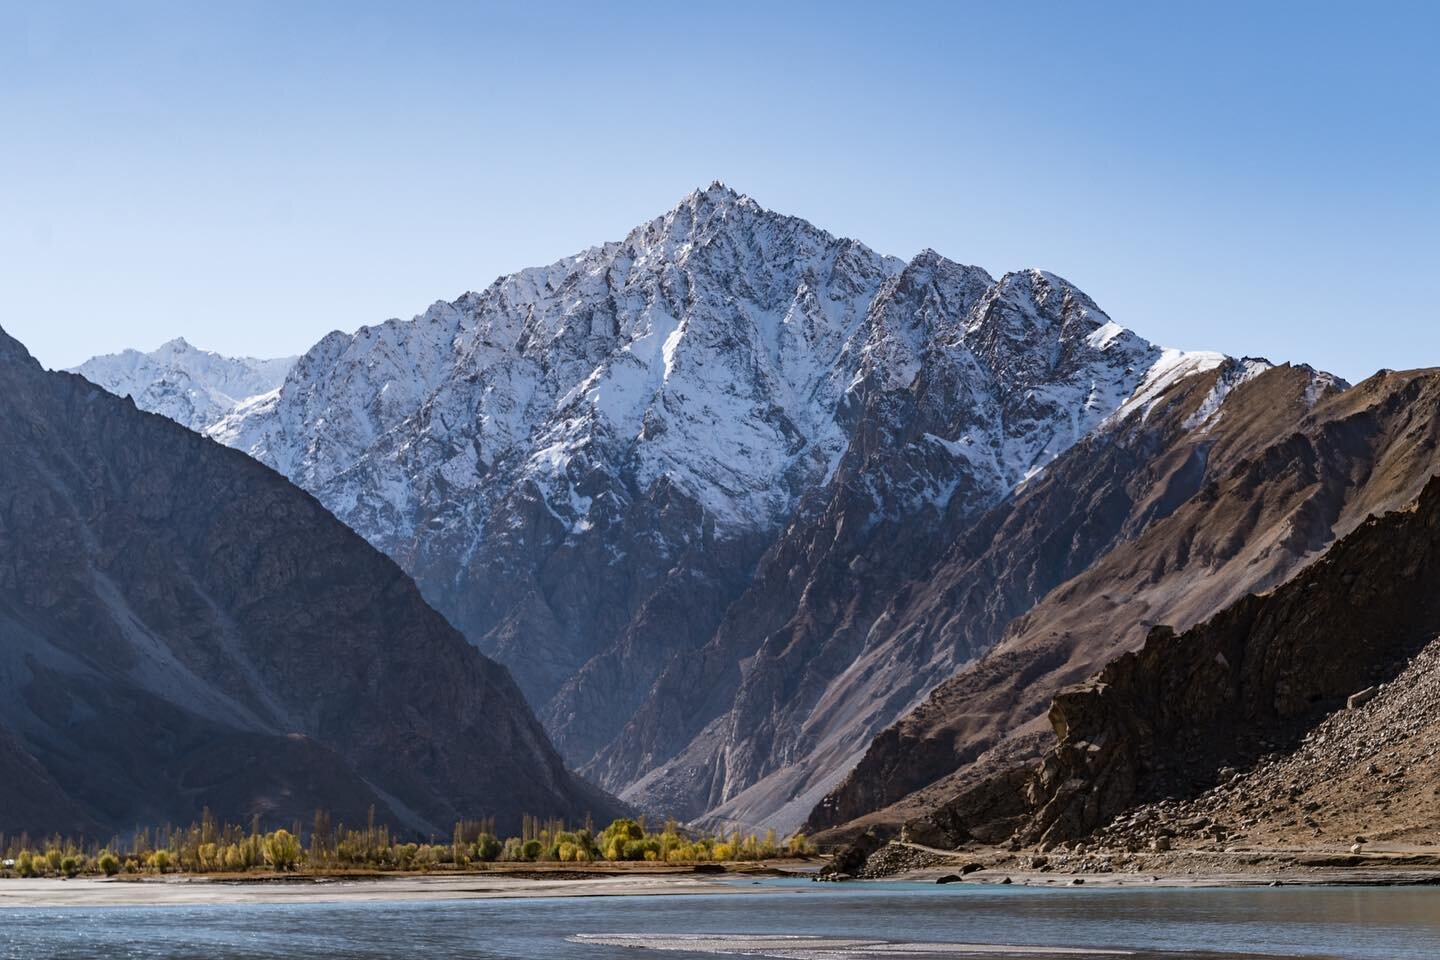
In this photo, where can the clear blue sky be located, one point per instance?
(1258, 178)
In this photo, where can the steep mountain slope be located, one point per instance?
(1206, 515)
(1242, 690)
(180, 627)
(190, 386)
(999, 378)
(673, 481)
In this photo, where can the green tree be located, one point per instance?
(108, 863)
(626, 828)
(282, 850)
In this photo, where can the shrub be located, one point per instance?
(108, 863)
(25, 864)
(486, 847)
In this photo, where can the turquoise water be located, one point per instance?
(1349, 922)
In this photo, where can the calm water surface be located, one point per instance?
(1348, 922)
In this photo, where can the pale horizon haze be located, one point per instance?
(1258, 179)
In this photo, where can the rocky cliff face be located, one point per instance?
(1241, 690)
(1191, 519)
(181, 627)
(1364, 778)
(675, 482)
(190, 386)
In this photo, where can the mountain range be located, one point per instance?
(772, 529)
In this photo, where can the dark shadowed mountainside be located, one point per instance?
(180, 627)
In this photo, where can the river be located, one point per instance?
(790, 919)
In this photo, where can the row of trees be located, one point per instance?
(211, 847)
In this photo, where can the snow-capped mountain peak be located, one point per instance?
(719, 346)
(703, 347)
(192, 386)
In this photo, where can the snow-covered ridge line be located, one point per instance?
(718, 346)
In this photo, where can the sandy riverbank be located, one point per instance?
(162, 891)
(1174, 869)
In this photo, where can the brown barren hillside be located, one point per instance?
(1210, 514)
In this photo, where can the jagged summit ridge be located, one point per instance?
(711, 347)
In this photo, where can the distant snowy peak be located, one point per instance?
(191, 386)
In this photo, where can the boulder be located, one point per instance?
(1358, 700)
